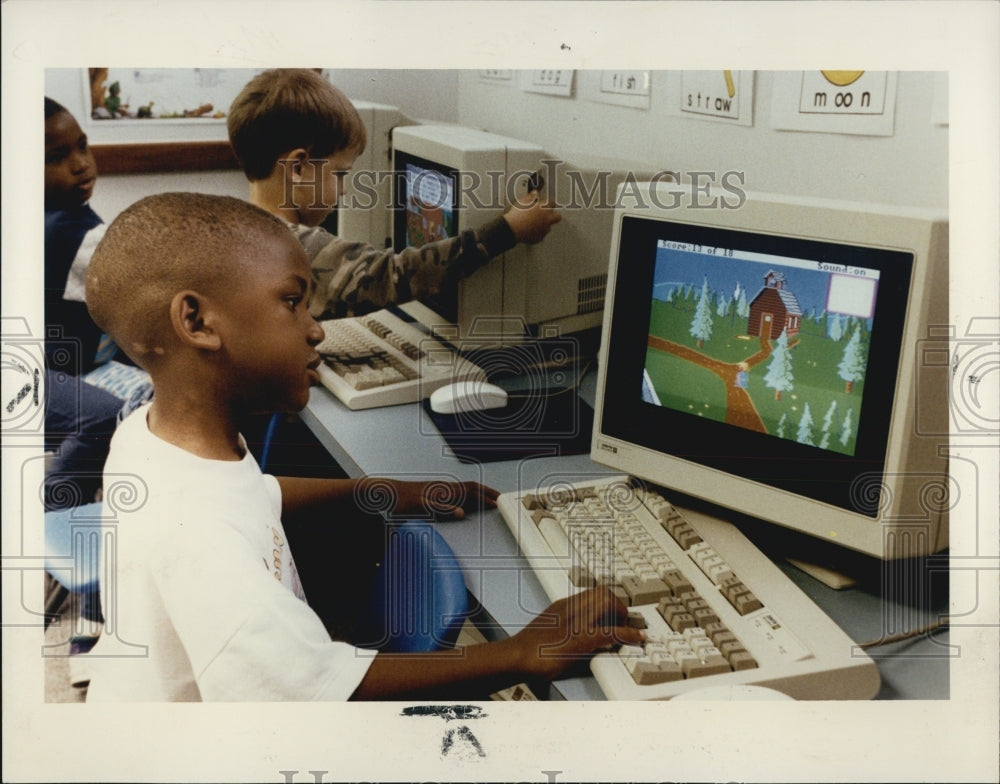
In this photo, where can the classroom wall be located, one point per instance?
(909, 167)
(418, 93)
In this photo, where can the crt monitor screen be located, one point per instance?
(425, 209)
(768, 357)
(426, 206)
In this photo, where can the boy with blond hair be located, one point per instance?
(296, 137)
(204, 576)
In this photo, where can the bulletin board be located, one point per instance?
(163, 95)
(181, 106)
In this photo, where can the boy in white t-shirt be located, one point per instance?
(209, 295)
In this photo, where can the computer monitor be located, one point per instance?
(364, 210)
(449, 178)
(764, 354)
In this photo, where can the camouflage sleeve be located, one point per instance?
(353, 277)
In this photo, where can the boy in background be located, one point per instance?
(296, 137)
(204, 574)
(79, 417)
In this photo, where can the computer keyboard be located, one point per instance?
(380, 359)
(716, 610)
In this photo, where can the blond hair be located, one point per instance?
(284, 109)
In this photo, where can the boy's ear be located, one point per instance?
(294, 160)
(192, 322)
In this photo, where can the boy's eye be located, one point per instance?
(57, 156)
(294, 301)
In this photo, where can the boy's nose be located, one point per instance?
(80, 162)
(316, 333)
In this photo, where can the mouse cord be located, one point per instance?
(942, 623)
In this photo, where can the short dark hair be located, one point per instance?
(163, 244)
(282, 109)
(52, 108)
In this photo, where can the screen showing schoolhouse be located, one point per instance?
(770, 344)
(429, 206)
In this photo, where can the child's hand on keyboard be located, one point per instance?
(448, 500)
(573, 629)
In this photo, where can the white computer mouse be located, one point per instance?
(734, 692)
(464, 397)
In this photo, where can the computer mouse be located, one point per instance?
(734, 692)
(464, 397)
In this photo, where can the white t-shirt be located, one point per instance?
(204, 602)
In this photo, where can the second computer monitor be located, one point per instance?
(452, 178)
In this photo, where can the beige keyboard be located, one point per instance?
(716, 610)
(381, 360)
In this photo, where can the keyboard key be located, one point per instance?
(636, 621)
(694, 602)
(619, 593)
(682, 621)
(688, 661)
(669, 607)
(678, 583)
(716, 630)
(742, 660)
(644, 591)
(747, 603)
(705, 616)
(651, 674)
(630, 655)
(703, 667)
(682, 533)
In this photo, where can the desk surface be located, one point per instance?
(403, 442)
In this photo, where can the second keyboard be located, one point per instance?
(381, 360)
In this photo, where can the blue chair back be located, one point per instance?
(420, 601)
(73, 546)
(73, 553)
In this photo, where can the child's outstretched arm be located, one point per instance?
(353, 278)
(530, 219)
(564, 635)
